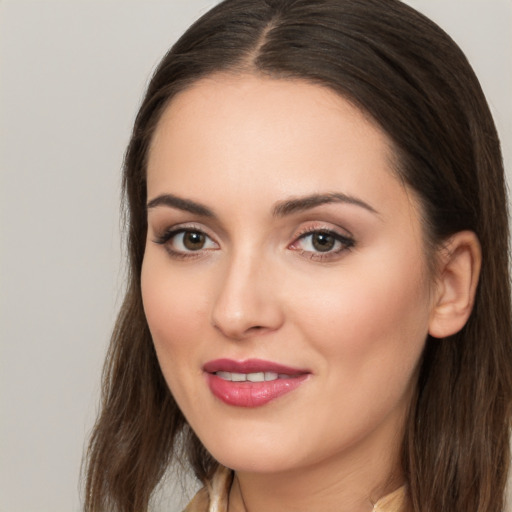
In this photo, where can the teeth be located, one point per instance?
(256, 377)
(251, 377)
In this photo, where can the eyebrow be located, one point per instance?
(306, 203)
(281, 209)
(181, 204)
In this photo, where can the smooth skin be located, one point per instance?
(238, 265)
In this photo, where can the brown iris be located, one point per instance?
(323, 242)
(193, 240)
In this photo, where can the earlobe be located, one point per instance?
(459, 262)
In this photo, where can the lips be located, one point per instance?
(253, 382)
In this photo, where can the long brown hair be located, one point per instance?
(412, 79)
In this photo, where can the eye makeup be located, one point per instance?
(313, 242)
(321, 243)
(183, 242)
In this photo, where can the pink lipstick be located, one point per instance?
(251, 383)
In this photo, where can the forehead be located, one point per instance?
(254, 101)
(270, 138)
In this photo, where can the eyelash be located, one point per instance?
(168, 236)
(346, 243)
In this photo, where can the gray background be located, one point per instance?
(72, 76)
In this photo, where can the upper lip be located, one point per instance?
(250, 366)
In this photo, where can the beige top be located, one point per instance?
(214, 497)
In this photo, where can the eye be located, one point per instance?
(319, 244)
(185, 242)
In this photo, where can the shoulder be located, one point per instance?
(397, 501)
(200, 502)
(214, 496)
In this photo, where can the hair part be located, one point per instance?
(403, 71)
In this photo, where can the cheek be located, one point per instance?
(174, 308)
(369, 319)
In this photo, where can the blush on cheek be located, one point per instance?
(366, 320)
(169, 304)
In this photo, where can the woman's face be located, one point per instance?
(284, 280)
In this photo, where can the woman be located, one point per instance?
(318, 297)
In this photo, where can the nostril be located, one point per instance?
(256, 328)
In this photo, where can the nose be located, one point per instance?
(247, 302)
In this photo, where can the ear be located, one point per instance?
(458, 269)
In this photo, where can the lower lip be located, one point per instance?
(252, 394)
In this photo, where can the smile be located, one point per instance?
(252, 377)
(251, 383)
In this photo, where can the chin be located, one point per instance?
(252, 454)
(251, 462)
